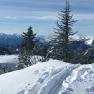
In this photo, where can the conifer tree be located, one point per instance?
(63, 33)
(27, 47)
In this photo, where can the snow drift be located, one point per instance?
(52, 77)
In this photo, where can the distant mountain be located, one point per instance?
(11, 42)
(10, 39)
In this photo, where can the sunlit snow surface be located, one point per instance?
(52, 77)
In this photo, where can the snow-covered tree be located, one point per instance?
(63, 33)
(27, 46)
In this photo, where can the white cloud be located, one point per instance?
(10, 17)
(30, 17)
(84, 16)
(45, 18)
(38, 15)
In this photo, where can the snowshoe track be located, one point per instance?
(60, 81)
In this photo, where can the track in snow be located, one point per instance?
(67, 80)
(50, 83)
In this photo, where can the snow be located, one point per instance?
(51, 77)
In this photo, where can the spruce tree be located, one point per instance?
(27, 47)
(63, 32)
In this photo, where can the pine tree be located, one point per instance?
(63, 33)
(26, 50)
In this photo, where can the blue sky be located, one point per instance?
(17, 15)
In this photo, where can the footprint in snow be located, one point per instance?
(68, 91)
(45, 75)
(90, 89)
(21, 92)
(36, 72)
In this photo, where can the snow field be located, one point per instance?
(51, 77)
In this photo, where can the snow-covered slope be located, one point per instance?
(52, 77)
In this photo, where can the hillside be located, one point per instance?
(52, 77)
